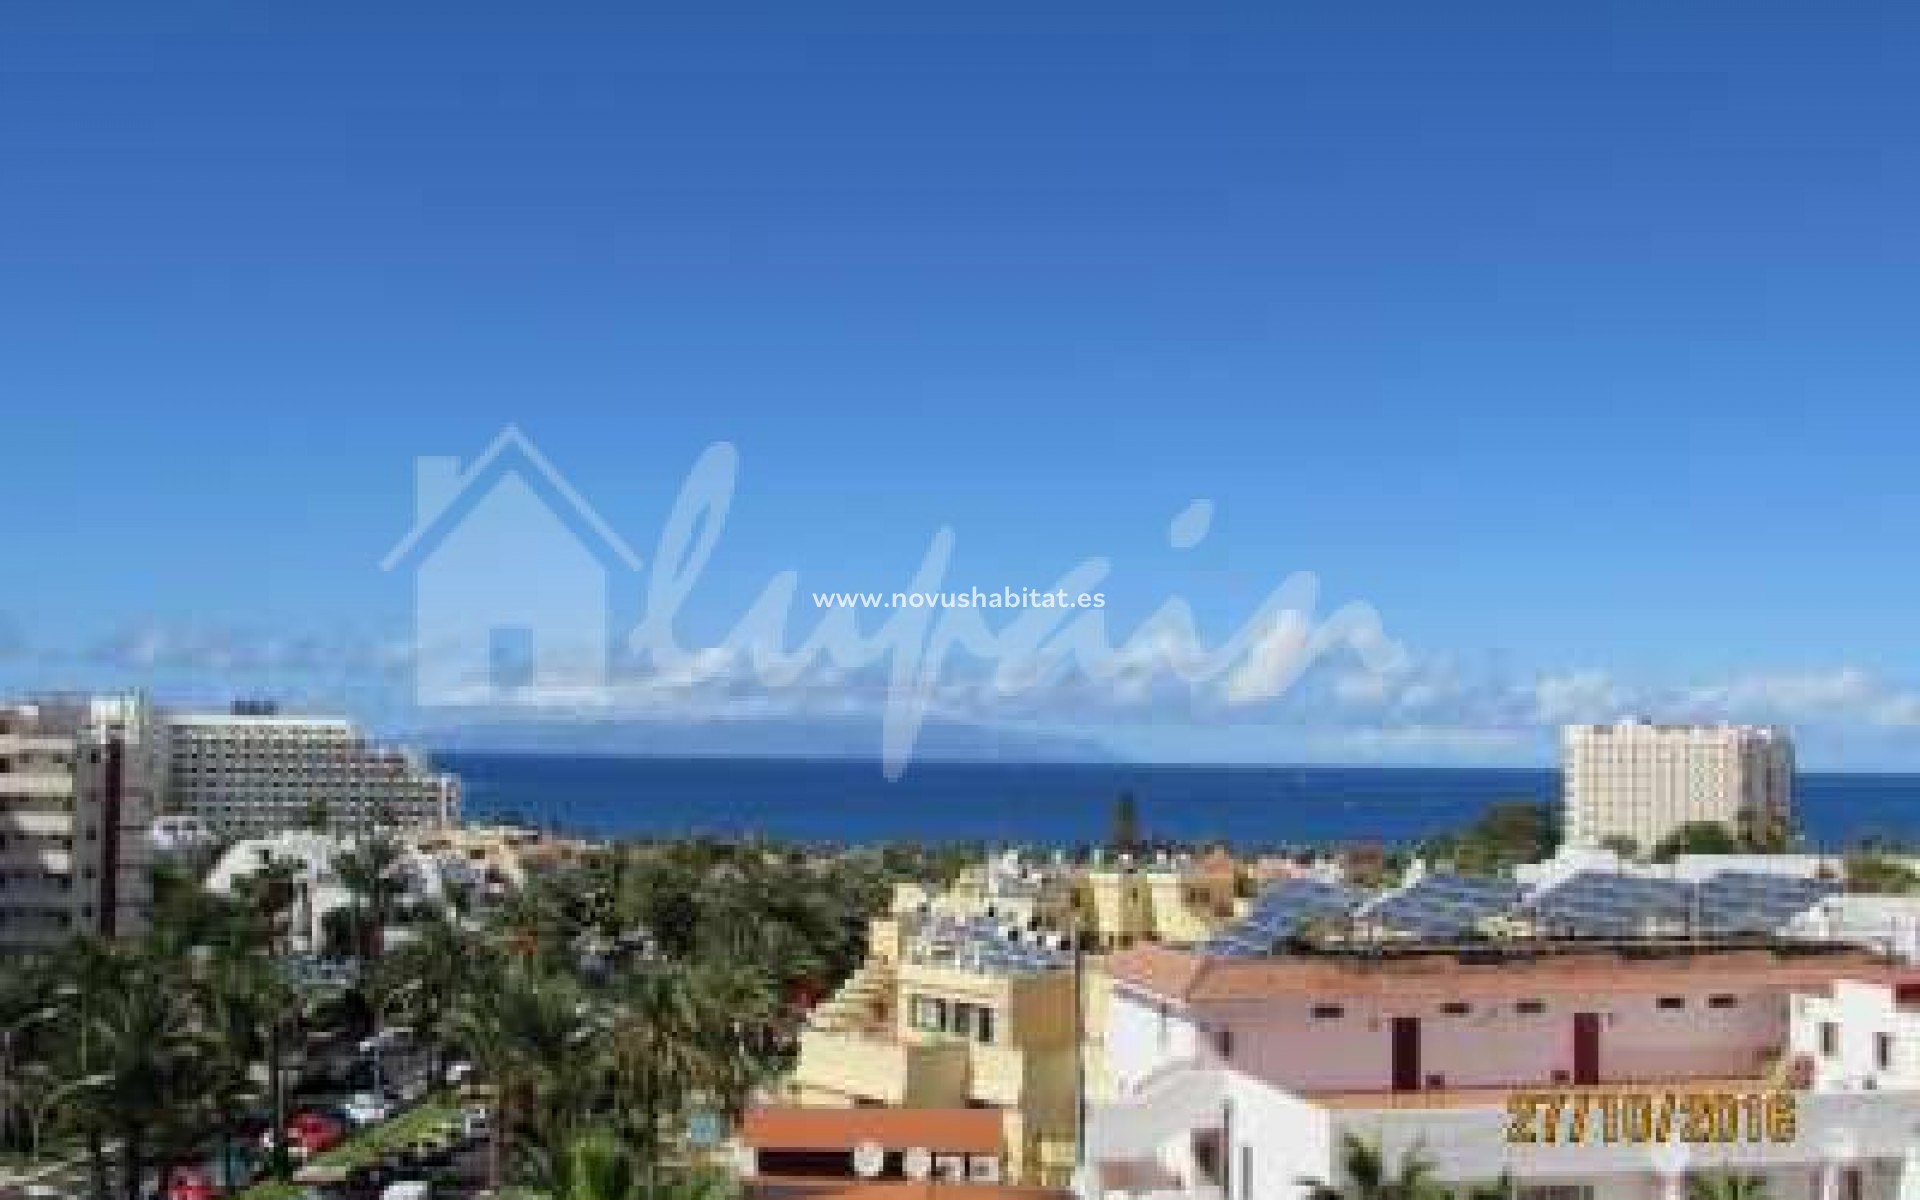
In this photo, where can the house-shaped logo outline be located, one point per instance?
(448, 662)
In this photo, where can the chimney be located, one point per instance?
(435, 481)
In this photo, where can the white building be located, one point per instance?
(1642, 781)
(256, 772)
(311, 858)
(76, 799)
(1238, 1078)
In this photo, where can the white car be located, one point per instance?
(459, 1072)
(368, 1109)
(476, 1122)
(406, 1189)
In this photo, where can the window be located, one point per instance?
(928, 1013)
(1829, 1039)
(1883, 1051)
(1328, 1012)
(1456, 1008)
(1723, 1001)
(1671, 1003)
(1531, 1007)
(1223, 1043)
(1246, 1173)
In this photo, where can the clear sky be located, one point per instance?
(1579, 341)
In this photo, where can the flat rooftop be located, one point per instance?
(1498, 969)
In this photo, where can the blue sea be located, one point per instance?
(1064, 804)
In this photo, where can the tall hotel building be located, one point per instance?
(1642, 781)
(253, 771)
(77, 783)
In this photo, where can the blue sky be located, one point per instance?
(1579, 342)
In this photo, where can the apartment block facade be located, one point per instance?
(77, 785)
(1241, 1079)
(249, 773)
(1642, 781)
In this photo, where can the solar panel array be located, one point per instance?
(981, 944)
(1752, 902)
(1600, 904)
(1443, 906)
(1604, 904)
(1280, 911)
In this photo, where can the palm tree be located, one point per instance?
(1726, 1184)
(436, 967)
(152, 1062)
(523, 1029)
(1368, 1176)
(1504, 1187)
(662, 1043)
(370, 872)
(595, 1165)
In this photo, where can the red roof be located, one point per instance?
(949, 1130)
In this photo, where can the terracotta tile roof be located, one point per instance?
(952, 1130)
(1185, 976)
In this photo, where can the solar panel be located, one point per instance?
(1443, 905)
(1280, 911)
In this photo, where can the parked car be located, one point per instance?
(308, 1133)
(407, 1189)
(476, 1122)
(368, 1108)
(459, 1072)
(186, 1183)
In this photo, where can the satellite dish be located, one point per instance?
(869, 1159)
(745, 1161)
(917, 1162)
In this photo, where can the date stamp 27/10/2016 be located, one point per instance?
(1573, 1118)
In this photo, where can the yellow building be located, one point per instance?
(951, 1013)
(1177, 900)
(969, 996)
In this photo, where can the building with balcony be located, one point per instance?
(255, 771)
(958, 1013)
(1240, 1077)
(76, 800)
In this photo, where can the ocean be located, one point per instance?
(1064, 804)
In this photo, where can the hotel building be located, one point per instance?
(77, 778)
(1240, 1078)
(255, 771)
(1642, 781)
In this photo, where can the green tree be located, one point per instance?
(1726, 1185)
(1697, 837)
(524, 1030)
(1125, 836)
(1621, 844)
(1368, 1176)
(370, 872)
(1878, 874)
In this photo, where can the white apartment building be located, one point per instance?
(256, 772)
(1241, 1078)
(77, 778)
(1642, 781)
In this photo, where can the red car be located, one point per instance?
(308, 1134)
(188, 1183)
